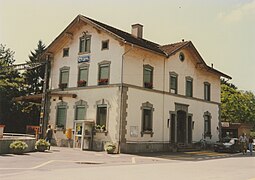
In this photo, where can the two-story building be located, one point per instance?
(108, 85)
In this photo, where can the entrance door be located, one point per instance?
(189, 129)
(181, 126)
(172, 125)
(78, 134)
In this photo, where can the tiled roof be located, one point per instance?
(129, 38)
(172, 48)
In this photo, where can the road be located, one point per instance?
(66, 163)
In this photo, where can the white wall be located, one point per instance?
(113, 54)
(161, 115)
(91, 96)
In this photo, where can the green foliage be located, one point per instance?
(237, 106)
(34, 77)
(18, 145)
(11, 85)
(110, 147)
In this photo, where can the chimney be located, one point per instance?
(137, 30)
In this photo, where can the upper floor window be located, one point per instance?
(207, 91)
(105, 44)
(61, 115)
(148, 76)
(64, 77)
(207, 124)
(189, 87)
(147, 118)
(82, 76)
(103, 73)
(85, 42)
(65, 52)
(173, 83)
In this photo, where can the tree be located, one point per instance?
(34, 84)
(11, 85)
(236, 105)
(34, 77)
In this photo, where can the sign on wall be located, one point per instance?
(82, 59)
(133, 131)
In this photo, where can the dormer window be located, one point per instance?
(85, 42)
(105, 45)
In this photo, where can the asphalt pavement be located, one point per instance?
(64, 160)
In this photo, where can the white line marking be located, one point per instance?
(133, 160)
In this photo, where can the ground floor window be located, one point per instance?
(207, 124)
(147, 118)
(101, 116)
(61, 115)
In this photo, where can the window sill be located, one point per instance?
(147, 132)
(101, 132)
(82, 53)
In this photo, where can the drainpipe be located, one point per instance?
(164, 73)
(121, 94)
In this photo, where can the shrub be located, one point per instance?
(42, 142)
(21, 145)
(110, 147)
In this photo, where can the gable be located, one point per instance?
(124, 37)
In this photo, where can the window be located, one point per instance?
(103, 76)
(82, 76)
(61, 115)
(147, 118)
(207, 91)
(80, 113)
(85, 44)
(207, 124)
(101, 115)
(189, 86)
(80, 109)
(64, 77)
(65, 52)
(148, 76)
(105, 44)
(173, 83)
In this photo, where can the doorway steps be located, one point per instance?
(186, 148)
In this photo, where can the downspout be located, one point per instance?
(164, 73)
(121, 94)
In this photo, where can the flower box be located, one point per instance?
(62, 86)
(148, 85)
(102, 81)
(82, 83)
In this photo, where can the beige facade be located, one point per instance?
(136, 106)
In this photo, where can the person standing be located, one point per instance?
(250, 145)
(243, 141)
(49, 133)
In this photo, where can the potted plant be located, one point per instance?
(100, 128)
(41, 145)
(82, 83)
(18, 147)
(110, 148)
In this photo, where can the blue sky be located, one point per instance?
(222, 31)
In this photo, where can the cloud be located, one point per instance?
(239, 12)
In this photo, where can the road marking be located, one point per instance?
(43, 164)
(133, 160)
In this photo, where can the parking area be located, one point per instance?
(60, 159)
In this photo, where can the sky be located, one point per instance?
(223, 31)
